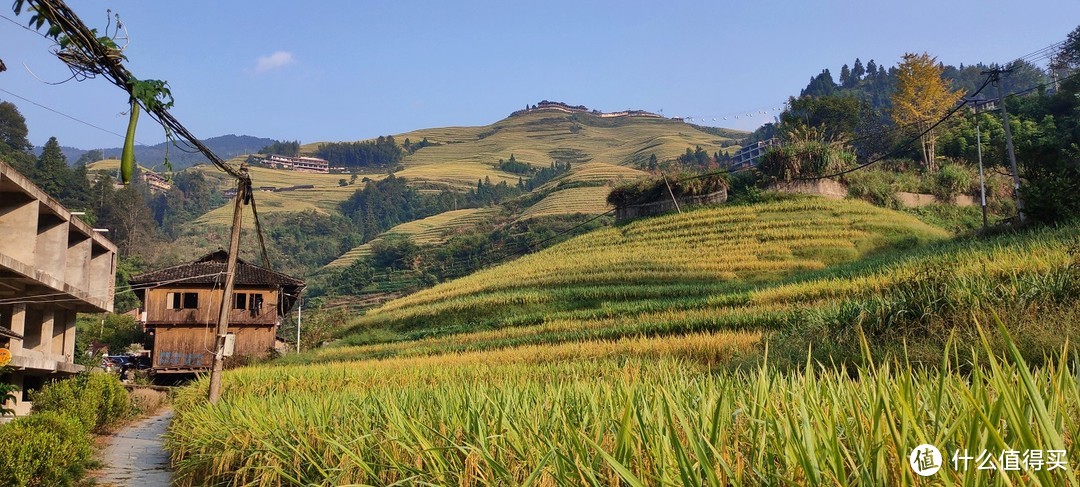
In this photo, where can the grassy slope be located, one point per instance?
(468, 153)
(600, 150)
(588, 200)
(325, 197)
(426, 231)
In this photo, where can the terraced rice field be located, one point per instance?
(643, 355)
(707, 245)
(426, 231)
(587, 201)
(595, 173)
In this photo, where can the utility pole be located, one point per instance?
(299, 308)
(978, 142)
(673, 200)
(995, 76)
(982, 180)
(243, 185)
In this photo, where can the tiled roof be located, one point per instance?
(210, 269)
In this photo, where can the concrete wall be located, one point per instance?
(667, 205)
(821, 187)
(923, 199)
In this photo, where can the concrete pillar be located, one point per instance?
(44, 344)
(59, 330)
(18, 217)
(18, 325)
(68, 340)
(16, 379)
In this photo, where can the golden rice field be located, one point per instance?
(588, 200)
(432, 230)
(625, 413)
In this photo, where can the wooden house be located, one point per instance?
(181, 306)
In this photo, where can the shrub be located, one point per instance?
(47, 448)
(96, 400)
(951, 180)
(645, 191)
(873, 186)
(804, 159)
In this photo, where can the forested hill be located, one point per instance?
(224, 146)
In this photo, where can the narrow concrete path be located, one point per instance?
(135, 456)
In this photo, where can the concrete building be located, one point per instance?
(751, 154)
(52, 266)
(301, 164)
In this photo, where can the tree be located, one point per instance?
(89, 157)
(857, 72)
(13, 129)
(51, 172)
(921, 98)
(820, 85)
(14, 147)
(835, 116)
(845, 77)
(1068, 57)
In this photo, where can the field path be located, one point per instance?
(134, 455)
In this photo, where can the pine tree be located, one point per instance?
(845, 77)
(51, 171)
(857, 72)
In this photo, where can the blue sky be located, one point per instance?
(353, 70)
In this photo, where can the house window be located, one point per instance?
(256, 302)
(182, 301)
(240, 301)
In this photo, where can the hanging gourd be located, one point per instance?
(127, 158)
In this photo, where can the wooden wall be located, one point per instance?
(158, 312)
(192, 347)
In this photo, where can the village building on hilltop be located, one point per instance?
(181, 305)
(300, 164)
(52, 266)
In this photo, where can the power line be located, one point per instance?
(62, 114)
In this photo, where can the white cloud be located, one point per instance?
(276, 60)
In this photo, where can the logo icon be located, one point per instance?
(925, 460)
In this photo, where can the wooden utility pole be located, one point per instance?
(243, 185)
(673, 200)
(996, 78)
